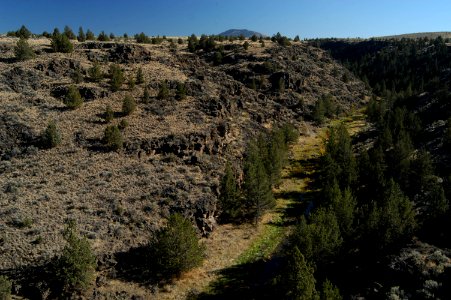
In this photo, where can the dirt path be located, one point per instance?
(231, 245)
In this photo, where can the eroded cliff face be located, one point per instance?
(174, 150)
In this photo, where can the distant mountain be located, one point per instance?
(431, 35)
(238, 32)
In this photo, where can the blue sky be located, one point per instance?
(308, 18)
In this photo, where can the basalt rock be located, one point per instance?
(21, 80)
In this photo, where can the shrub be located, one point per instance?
(142, 38)
(23, 51)
(163, 93)
(90, 35)
(140, 76)
(128, 105)
(5, 288)
(75, 268)
(51, 137)
(112, 36)
(254, 38)
(123, 124)
(117, 77)
(296, 39)
(61, 43)
(109, 114)
(113, 138)
(73, 98)
(176, 248)
(180, 41)
(95, 73)
(246, 45)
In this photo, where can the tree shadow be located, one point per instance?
(245, 281)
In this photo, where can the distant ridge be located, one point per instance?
(420, 35)
(239, 32)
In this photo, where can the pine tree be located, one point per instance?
(95, 72)
(23, 51)
(296, 39)
(228, 198)
(81, 35)
(140, 76)
(90, 35)
(131, 82)
(146, 96)
(75, 268)
(5, 288)
(51, 137)
(73, 98)
(176, 248)
(69, 33)
(109, 114)
(117, 77)
(128, 105)
(180, 93)
(297, 280)
(257, 184)
(23, 32)
(163, 92)
(330, 291)
(103, 37)
(61, 43)
(113, 138)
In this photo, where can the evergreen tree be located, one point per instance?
(103, 37)
(128, 105)
(296, 39)
(140, 76)
(257, 184)
(23, 32)
(117, 77)
(90, 35)
(23, 51)
(192, 43)
(113, 138)
(69, 33)
(109, 114)
(246, 45)
(146, 96)
(51, 137)
(229, 198)
(297, 280)
(81, 35)
(5, 288)
(73, 98)
(180, 93)
(330, 291)
(176, 248)
(95, 72)
(319, 112)
(61, 43)
(163, 92)
(131, 82)
(75, 268)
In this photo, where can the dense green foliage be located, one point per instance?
(176, 248)
(142, 38)
(23, 50)
(264, 159)
(5, 288)
(180, 92)
(73, 98)
(117, 77)
(108, 115)
(139, 76)
(61, 43)
(163, 92)
(22, 33)
(113, 138)
(95, 73)
(103, 37)
(128, 105)
(69, 33)
(51, 137)
(89, 35)
(75, 267)
(81, 35)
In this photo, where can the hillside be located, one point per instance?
(419, 35)
(174, 151)
(241, 32)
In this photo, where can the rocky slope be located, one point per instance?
(174, 150)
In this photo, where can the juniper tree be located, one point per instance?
(163, 92)
(180, 92)
(103, 37)
(95, 72)
(113, 138)
(176, 248)
(81, 35)
(23, 51)
(61, 43)
(131, 82)
(229, 201)
(89, 35)
(5, 288)
(140, 76)
(146, 96)
(69, 33)
(116, 77)
(128, 105)
(330, 291)
(109, 114)
(51, 137)
(23, 32)
(73, 98)
(75, 267)
(257, 184)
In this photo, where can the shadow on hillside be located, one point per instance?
(133, 265)
(245, 281)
